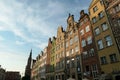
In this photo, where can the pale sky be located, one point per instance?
(26, 24)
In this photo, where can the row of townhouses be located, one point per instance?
(89, 47)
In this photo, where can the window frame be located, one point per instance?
(100, 44)
(83, 43)
(108, 40)
(104, 26)
(97, 31)
(89, 40)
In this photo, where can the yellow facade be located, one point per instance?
(108, 55)
(52, 54)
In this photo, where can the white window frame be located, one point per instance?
(108, 40)
(87, 29)
(97, 31)
(83, 43)
(82, 32)
(104, 26)
(89, 40)
(100, 44)
(76, 38)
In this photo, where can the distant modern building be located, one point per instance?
(12, 75)
(2, 73)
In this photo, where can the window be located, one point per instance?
(87, 28)
(83, 43)
(89, 40)
(71, 41)
(87, 68)
(66, 44)
(95, 9)
(62, 53)
(94, 70)
(97, 31)
(71, 51)
(113, 58)
(91, 52)
(101, 2)
(81, 23)
(62, 44)
(100, 44)
(104, 26)
(117, 8)
(76, 49)
(86, 19)
(71, 32)
(94, 67)
(94, 20)
(82, 32)
(76, 38)
(72, 62)
(85, 54)
(103, 60)
(108, 41)
(101, 15)
(67, 53)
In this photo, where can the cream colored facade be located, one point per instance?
(107, 49)
(35, 69)
(72, 49)
(60, 54)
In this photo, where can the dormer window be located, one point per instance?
(70, 24)
(95, 9)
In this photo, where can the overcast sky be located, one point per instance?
(26, 24)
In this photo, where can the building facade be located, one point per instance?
(72, 50)
(89, 47)
(106, 46)
(60, 54)
(49, 48)
(89, 55)
(113, 13)
(10, 75)
(33, 70)
(52, 59)
(43, 64)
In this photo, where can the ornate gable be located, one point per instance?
(70, 22)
